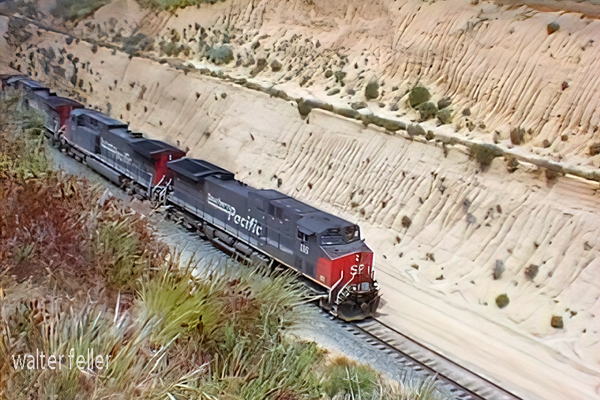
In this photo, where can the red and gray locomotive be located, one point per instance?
(259, 226)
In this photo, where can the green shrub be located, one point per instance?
(76, 9)
(346, 377)
(418, 95)
(484, 154)
(220, 55)
(174, 4)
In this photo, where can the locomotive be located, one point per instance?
(256, 225)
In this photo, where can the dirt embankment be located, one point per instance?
(450, 235)
(498, 65)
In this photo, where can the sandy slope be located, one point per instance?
(463, 220)
(497, 60)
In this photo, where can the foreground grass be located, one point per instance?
(79, 272)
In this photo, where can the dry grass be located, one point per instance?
(78, 273)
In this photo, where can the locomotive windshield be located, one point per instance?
(335, 237)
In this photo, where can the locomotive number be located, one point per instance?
(304, 248)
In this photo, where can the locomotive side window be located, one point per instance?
(302, 236)
(94, 122)
(336, 236)
(80, 120)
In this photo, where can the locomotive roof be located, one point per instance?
(342, 250)
(125, 133)
(195, 169)
(270, 194)
(293, 205)
(30, 83)
(54, 102)
(101, 117)
(149, 147)
(320, 221)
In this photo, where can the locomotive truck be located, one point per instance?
(256, 225)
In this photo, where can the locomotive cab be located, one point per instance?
(344, 264)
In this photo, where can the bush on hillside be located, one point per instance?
(174, 4)
(76, 9)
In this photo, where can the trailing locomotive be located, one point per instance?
(260, 226)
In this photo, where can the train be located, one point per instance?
(260, 226)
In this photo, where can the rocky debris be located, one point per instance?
(415, 130)
(546, 143)
(333, 92)
(502, 301)
(445, 116)
(261, 64)
(551, 174)
(328, 74)
(466, 112)
(358, 105)
(443, 103)
(564, 85)
(305, 106)
(512, 164)
(418, 95)
(276, 66)
(594, 149)
(517, 135)
(428, 110)
(406, 222)
(557, 322)
(372, 90)
(220, 55)
(552, 27)
(532, 271)
(339, 76)
(388, 124)
(249, 61)
(498, 269)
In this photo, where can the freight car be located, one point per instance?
(260, 226)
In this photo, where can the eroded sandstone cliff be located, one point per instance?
(452, 234)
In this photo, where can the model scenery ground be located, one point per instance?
(492, 261)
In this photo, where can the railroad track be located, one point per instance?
(410, 355)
